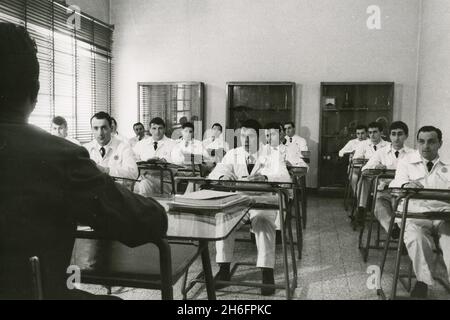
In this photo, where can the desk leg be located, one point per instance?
(207, 270)
(304, 199)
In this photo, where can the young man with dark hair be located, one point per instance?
(388, 158)
(156, 148)
(425, 169)
(361, 136)
(63, 187)
(112, 156)
(295, 144)
(246, 162)
(59, 128)
(139, 130)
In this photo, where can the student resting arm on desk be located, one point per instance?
(425, 169)
(49, 185)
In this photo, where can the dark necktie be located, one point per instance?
(375, 148)
(397, 154)
(290, 140)
(250, 164)
(102, 152)
(155, 145)
(429, 166)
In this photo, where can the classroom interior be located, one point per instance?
(326, 66)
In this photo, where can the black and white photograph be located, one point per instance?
(238, 150)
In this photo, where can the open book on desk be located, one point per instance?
(208, 200)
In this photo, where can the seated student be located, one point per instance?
(112, 156)
(246, 162)
(425, 169)
(59, 128)
(350, 147)
(215, 144)
(387, 158)
(115, 133)
(275, 141)
(157, 147)
(63, 187)
(366, 150)
(187, 147)
(294, 143)
(139, 130)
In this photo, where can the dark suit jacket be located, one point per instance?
(47, 186)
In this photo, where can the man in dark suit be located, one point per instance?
(48, 185)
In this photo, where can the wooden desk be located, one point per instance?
(281, 189)
(182, 226)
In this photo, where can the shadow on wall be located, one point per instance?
(305, 133)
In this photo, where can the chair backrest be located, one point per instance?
(36, 279)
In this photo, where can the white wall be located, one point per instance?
(434, 73)
(98, 8)
(304, 41)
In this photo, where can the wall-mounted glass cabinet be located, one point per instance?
(343, 106)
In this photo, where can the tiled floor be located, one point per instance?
(331, 266)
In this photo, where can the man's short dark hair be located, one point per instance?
(158, 121)
(217, 125)
(188, 125)
(290, 123)
(102, 115)
(361, 127)
(19, 66)
(431, 129)
(251, 124)
(138, 124)
(59, 121)
(377, 125)
(399, 125)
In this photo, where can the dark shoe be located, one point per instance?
(395, 232)
(267, 274)
(420, 290)
(360, 216)
(222, 275)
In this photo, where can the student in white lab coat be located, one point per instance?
(425, 169)
(59, 128)
(215, 144)
(187, 146)
(240, 163)
(157, 147)
(350, 147)
(366, 150)
(111, 155)
(139, 130)
(388, 158)
(294, 143)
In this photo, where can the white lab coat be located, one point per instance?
(271, 164)
(350, 147)
(418, 233)
(118, 158)
(386, 157)
(182, 151)
(365, 150)
(150, 183)
(295, 147)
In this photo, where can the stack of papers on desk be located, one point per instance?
(207, 200)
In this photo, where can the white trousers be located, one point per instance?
(383, 209)
(419, 242)
(263, 226)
